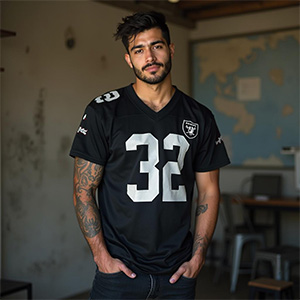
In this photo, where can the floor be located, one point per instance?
(207, 290)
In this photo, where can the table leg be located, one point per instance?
(277, 224)
(29, 292)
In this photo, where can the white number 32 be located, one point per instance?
(149, 167)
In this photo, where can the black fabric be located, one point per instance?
(150, 161)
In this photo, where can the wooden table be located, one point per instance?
(11, 286)
(274, 205)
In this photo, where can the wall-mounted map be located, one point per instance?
(251, 83)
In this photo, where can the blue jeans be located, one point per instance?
(144, 286)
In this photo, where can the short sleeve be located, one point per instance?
(90, 142)
(211, 154)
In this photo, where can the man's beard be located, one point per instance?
(155, 78)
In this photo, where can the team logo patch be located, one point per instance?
(190, 129)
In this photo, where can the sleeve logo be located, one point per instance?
(190, 129)
(219, 141)
(82, 130)
(108, 97)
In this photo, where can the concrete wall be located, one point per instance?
(233, 180)
(45, 88)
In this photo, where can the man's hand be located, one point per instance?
(114, 265)
(189, 269)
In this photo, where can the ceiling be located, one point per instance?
(188, 12)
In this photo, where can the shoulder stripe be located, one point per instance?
(108, 97)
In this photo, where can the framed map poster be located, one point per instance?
(251, 84)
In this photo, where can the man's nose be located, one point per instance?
(150, 57)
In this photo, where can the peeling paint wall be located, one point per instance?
(45, 88)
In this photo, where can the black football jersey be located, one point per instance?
(150, 160)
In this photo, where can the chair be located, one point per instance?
(280, 258)
(235, 238)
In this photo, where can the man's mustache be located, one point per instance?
(152, 64)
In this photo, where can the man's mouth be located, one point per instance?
(152, 67)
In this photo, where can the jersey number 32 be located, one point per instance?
(149, 167)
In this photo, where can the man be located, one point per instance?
(143, 147)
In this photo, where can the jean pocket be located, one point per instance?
(188, 278)
(108, 275)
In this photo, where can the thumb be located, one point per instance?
(127, 271)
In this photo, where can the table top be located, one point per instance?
(280, 202)
(12, 286)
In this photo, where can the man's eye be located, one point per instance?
(157, 47)
(138, 51)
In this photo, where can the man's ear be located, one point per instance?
(172, 49)
(128, 60)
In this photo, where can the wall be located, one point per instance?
(233, 180)
(45, 88)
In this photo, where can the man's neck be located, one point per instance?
(156, 96)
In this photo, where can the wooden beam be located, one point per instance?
(196, 4)
(171, 11)
(238, 7)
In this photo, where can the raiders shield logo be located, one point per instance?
(190, 129)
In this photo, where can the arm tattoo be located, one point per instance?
(89, 223)
(201, 209)
(200, 242)
(87, 177)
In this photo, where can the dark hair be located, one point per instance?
(139, 22)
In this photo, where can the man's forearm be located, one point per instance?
(87, 177)
(90, 224)
(88, 217)
(206, 219)
(206, 216)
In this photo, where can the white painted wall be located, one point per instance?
(232, 180)
(247, 23)
(45, 88)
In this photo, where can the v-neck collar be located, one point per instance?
(146, 109)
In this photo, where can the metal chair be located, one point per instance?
(235, 238)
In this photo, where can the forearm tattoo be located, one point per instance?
(201, 209)
(87, 177)
(201, 243)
